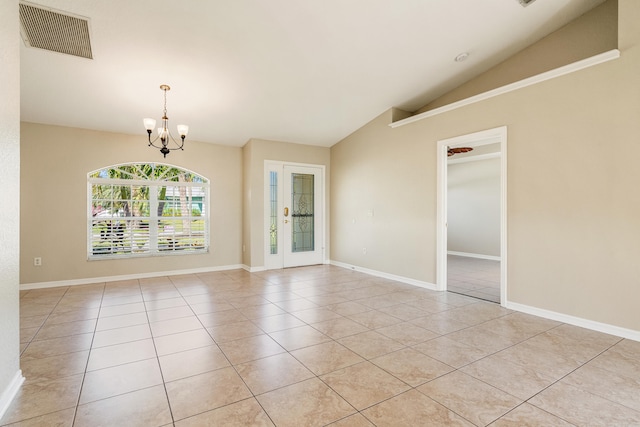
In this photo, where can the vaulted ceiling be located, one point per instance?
(299, 71)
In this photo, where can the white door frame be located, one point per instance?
(496, 135)
(277, 261)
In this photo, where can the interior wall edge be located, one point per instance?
(10, 392)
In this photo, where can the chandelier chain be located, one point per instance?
(164, 116)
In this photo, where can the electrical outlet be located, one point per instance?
(37, 261)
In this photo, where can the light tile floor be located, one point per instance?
(475, 277)
(309, 346)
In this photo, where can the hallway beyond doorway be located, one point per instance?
(475, 277)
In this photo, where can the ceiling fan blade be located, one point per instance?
(456, 150)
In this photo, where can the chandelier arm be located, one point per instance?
(179, 144)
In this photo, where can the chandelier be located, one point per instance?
(167, 141)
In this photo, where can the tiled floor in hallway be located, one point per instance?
(475, 277)
(309, 346)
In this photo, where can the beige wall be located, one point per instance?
(10, 205)
(573, 204)
(380, 201)
(594, 33)
(256, 151)
(55, 163)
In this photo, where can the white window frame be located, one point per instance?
(158, 242)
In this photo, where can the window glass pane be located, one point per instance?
(198, 196)
(167, 202)
(302, 235)
(111, 236)
(273, 202)
(140, 209)
(101, 208)
(140, 236)
(100, 191)
(121, 192)
(167, 234)
(184, 235)
(179, 201)
(102, 204)
(197, 236)
(169, 208)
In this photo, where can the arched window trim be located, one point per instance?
(146, 209)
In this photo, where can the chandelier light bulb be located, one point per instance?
(149, 124)
(183, 130)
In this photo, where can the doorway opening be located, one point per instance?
(294, 215)
(471, 255)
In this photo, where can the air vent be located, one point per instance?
(525, 3)
(57, 31)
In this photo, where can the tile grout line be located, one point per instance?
(86, 366)
(39, 328)
(44, 321)
(571, 372)
(155, 349)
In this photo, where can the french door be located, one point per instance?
(294, 215)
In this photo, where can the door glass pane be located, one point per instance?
(273, 212)
(302, 212)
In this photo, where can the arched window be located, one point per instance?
(146, 209)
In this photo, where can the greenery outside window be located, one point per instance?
(146, 209)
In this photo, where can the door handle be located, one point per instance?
(286, 211)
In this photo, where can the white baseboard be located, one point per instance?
(264, 268)
(10, 392)
(547, 314)
(253, 269)
(576, 321)
(471, 255)
(384, 275)
(92, 280)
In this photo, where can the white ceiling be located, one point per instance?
(300, 71)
